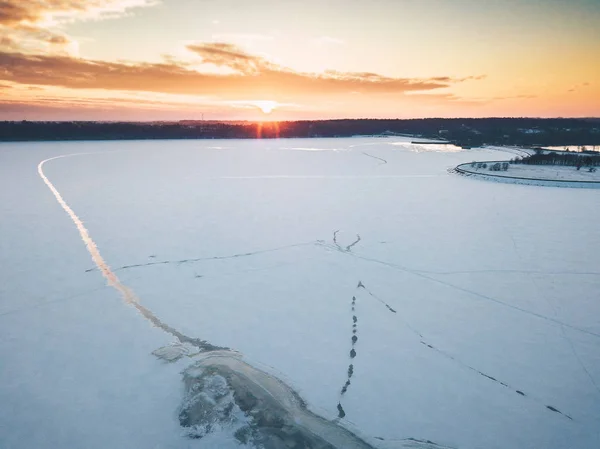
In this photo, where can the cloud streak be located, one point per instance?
(34, 25)
(23, 13)
(253, 77)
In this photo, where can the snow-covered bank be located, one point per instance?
(275, 416)
(539, 175)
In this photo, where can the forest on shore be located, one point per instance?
(466, 133)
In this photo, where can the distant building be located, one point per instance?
(530, 131)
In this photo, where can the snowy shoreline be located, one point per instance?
(538, 175)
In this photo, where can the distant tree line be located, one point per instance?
(463, 132)
(492, 166)
(563, 158)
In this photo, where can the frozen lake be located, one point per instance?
(475, 303)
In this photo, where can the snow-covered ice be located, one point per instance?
(475, 304)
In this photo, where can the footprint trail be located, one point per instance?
(350, 372)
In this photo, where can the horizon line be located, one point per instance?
(308, 120)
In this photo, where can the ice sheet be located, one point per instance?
(476, 305)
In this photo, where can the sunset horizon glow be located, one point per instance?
(150, 60)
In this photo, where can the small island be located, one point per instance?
(541, 167)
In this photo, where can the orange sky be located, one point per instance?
(274, 60)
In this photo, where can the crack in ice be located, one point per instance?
(451, 357)
(202, 259)
(471, 292)
(382, 160)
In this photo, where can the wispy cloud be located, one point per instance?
(253, 76)
(578, 87)
(446, 79)
(35, 25)
(22, 13)
(230, 55)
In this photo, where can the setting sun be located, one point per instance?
(266, 106)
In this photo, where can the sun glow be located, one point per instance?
(266, 106)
